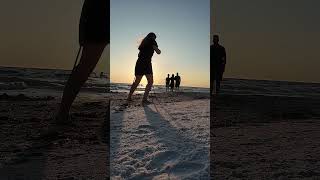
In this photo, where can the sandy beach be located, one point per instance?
(265, 137)
(29, 99)
(168, 139)
(79, 152)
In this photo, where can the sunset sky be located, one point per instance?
(269, 39)
(182, 27)
(41, 34)
(265, 39)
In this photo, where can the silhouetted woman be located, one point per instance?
(144, 65)
(94, 35)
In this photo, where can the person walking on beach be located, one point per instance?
(167, 82)
(144, 65)
(94, 36)
(218, 63)
(172, 82)
(178, 80)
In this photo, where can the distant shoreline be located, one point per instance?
(32, 68)
(228, 78)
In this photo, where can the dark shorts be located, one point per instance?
(177, 84)
(94, 26)
(217, 75)
(143, 68)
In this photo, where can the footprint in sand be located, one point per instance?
(177, 114)
(141, 153)
(145, 126)
(145, 129)
(185, 168)
(160, 159)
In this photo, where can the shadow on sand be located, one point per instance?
(180, 155)
(116, 123)
(28, 164)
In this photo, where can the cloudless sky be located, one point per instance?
(41, 34)
(269, 39)
(265, 39)
(182, 28)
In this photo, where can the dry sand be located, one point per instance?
(168, 139)
(265, 137)
(79, 152)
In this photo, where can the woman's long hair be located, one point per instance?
(147, 39)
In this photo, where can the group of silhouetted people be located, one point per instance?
(173, 82)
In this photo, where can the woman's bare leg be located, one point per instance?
(91, 54)
(134, 86)
(148, 87)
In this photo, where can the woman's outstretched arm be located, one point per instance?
(156, 49)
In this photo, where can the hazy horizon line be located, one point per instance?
(279, 80)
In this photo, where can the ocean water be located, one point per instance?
(31, 79)
(270, 88)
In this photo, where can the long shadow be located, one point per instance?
(29, 164)
(106, 135)
(187, 154)
(168, 135)
(116, 123)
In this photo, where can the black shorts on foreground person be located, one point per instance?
(94, 26)
(143, 68)
(94, 35)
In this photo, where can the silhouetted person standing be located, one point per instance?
(94, 35)
(144, 65)
(178, 80)
(218, 63)
(167, 82)
(172, 82)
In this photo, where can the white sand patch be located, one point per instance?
(161, 141)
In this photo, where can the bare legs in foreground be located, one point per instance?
(137, 82)
(91, 54)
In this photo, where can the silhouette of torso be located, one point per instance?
(217, 53)
(146, 50)
(172, 82)
(167, 81)
(178, 79)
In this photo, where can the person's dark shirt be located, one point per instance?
(146, 50)
(172, 81)
(167, 81)
(178, 79)
(217, 53)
